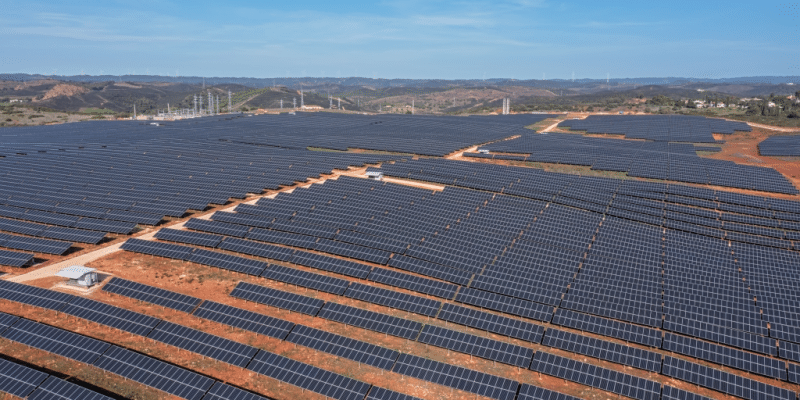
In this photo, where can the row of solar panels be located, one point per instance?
(497, 288)
(668, 128)
(457, 341)
(423, 285)
(152, 372)
(777, 146)
(719, 354)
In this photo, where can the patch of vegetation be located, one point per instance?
(97, 111)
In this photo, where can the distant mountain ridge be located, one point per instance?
(312, 82)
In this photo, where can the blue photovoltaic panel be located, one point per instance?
(115, 317)
(307, 279)
(19, 380)
(530, 392)
(478, 346)
(456, 377)
(168, 250)
(58, 389)
(221, 391)
(14, 258)
(277, 298)
(57, 341)
(243, 319)
(356, 350)
(154, 373)
(370, 320)
(199, 342)
(491, 323)
(33, 295)
(378, 393)
(308, 377)
(671, 393)
(228, 261)
(151, 294)
(252, 248)
(188, 237)
(393, 299)
(6, 320)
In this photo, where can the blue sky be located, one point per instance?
(521, 39)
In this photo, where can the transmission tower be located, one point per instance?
(195, 106)
(229, 101)
(302, 104)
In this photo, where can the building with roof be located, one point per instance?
(79, 275)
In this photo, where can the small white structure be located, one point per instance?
(483, 151)
(79, 275)
(377, 175)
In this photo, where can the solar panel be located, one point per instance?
(606, 327)
(19, 380)
(492, 323)
(115, 317)
(58, 389)
(530, 392)
(6, 320)
(509, 305)
(370, 320)
(33, 296)
(671, 393)
(228, 261)
(727, 356)
(331, 264)
(15, 259)
(57, 341)
(341, 346)
(277, 298)
(154, 373)
(199, 342)
(594, 376)
(604, 350)
(306, 279)
(379, 393)
(151, 294)
(390, 298)
(308, 377)
(257, 249)
(102, 225)
(243, 319)
(722, 381)
(413, 283)
(221, 391)
(72, 235)
(36, 245)
(188, 237)
(168, 250)
(456, 377)
(478, 346)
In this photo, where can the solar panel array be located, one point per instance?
(777, 146)
(666, 128)
(24, 382)
(654, 160)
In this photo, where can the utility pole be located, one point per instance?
(134, 111)
(194, 114)
(217, 104)
(229, 101)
